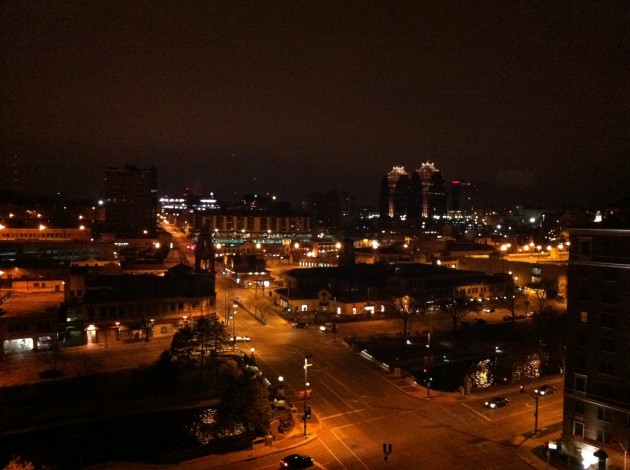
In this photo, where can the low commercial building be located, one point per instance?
(365, 289)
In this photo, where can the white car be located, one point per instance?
(240, 339)
(326, 327)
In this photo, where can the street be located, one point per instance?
(356, 405)
(359, 409)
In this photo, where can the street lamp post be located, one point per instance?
(625, 453)
(233, 318)
(306, 366)
(280, 389)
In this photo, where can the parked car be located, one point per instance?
(545, 390)
(300, 324)
(507, 318)
(520, 317)
(480, 321)
(296, 461)
(496, 402)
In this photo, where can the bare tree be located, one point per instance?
(508, 297)
(405, 307)
(260, 305)
(542, 290)
(458, 307)
(209, 333)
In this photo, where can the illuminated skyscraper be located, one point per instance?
(421, 195)
(393, 198)
(434, 199)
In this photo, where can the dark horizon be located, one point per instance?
(289, 98)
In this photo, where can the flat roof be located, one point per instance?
(22, 303)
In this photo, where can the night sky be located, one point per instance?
(530, 99)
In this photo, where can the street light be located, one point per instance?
(280, 391)
(625, 453)
(306, 384)
(233, 318)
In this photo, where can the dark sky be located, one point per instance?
(289, 97)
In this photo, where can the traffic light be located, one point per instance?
(308, 412)
(522, 389)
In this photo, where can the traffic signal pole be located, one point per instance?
(535, 397)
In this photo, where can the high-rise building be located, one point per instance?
(434, 199)
(597, 377)
(131, 201)
(463, 197)
(393, 195)
(330, 209)
(421, 195)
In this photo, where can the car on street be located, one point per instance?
(327, 327)
(280, 405)
(545, 390)
(496, 402)
(488, 310)
(480, 321)
(507, 318)
(300, 324)
(240, 339)
(296, 461)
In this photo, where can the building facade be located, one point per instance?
(332, 209)
(597, 379)
(131, 201)
(277, 223)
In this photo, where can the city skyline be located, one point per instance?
(530, 101)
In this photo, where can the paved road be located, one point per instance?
(360, 409)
